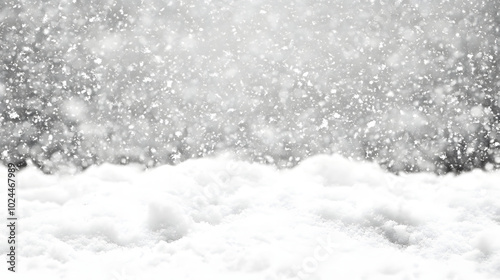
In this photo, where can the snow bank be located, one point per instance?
(328, 218)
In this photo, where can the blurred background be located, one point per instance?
(412, 85)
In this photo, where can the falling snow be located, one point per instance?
(251, 134)
(411, 85)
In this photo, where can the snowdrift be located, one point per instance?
(328, 218)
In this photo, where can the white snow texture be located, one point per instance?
(328, 218)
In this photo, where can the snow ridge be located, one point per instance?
(328, 218)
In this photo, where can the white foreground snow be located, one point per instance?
(328, 218)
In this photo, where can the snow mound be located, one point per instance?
(328, 218)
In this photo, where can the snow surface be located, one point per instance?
(328, 218)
